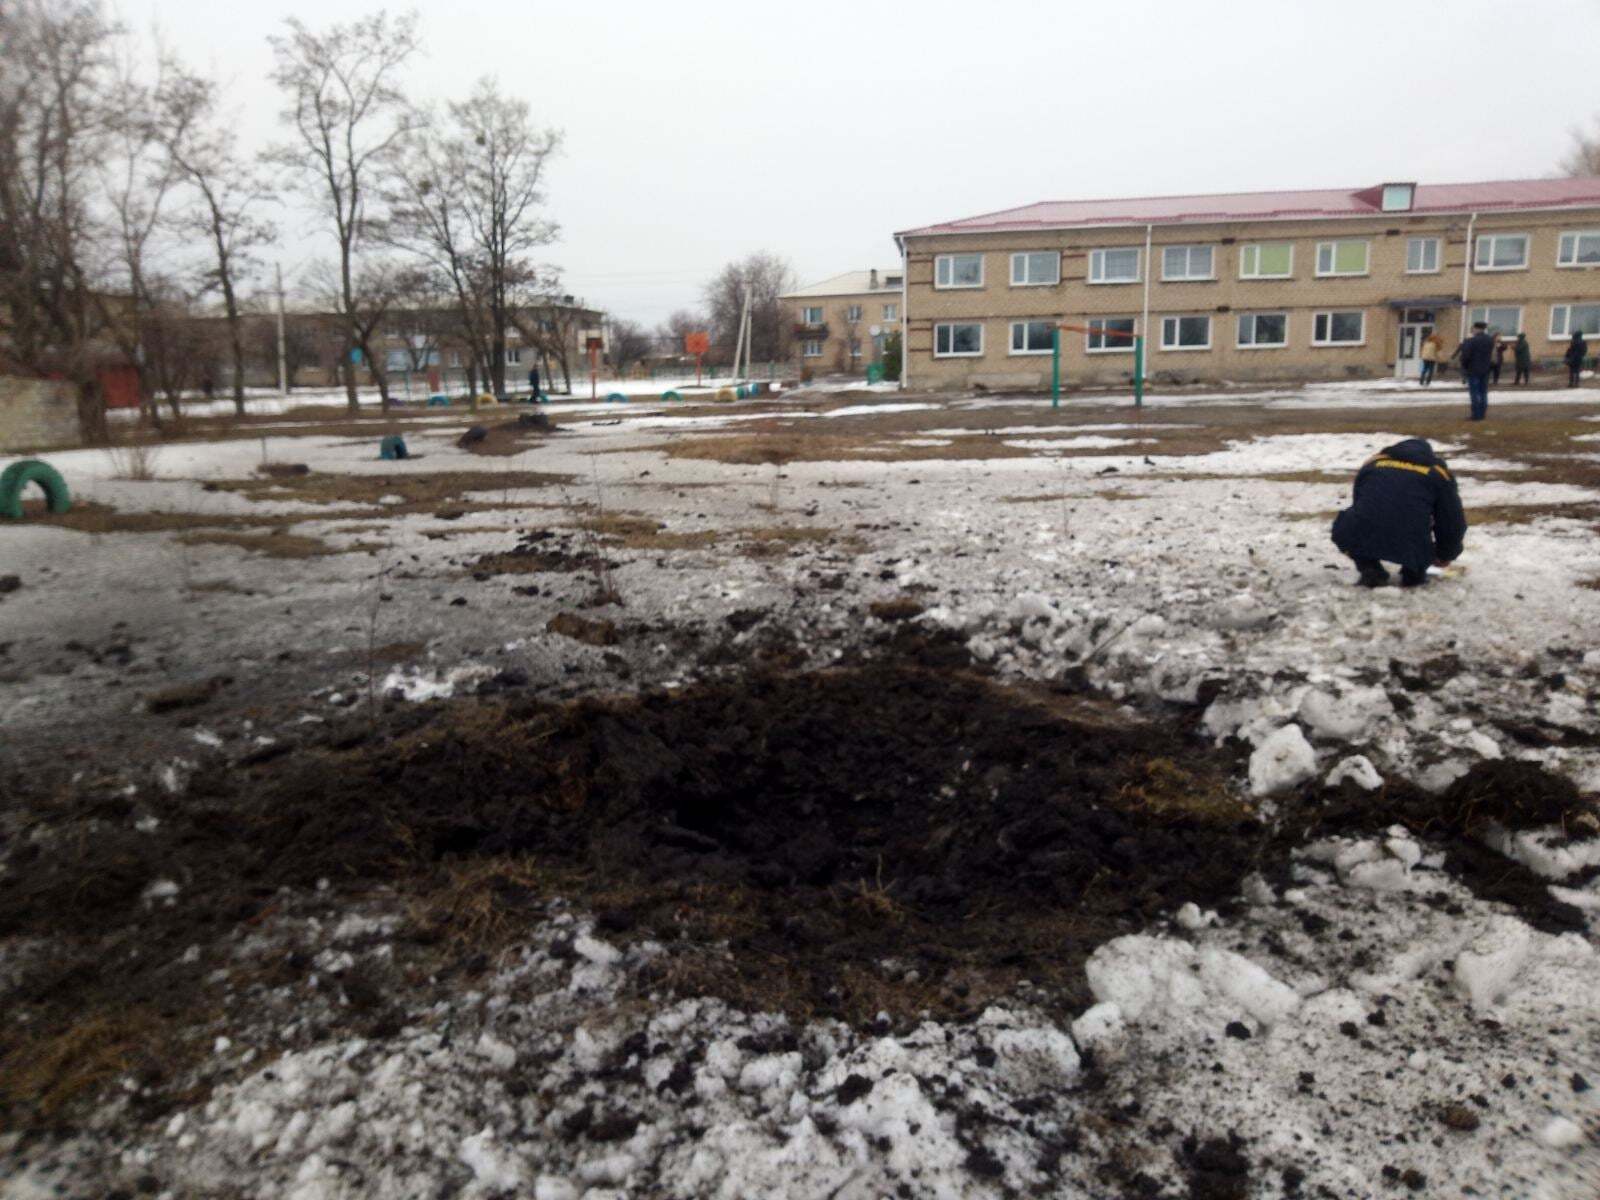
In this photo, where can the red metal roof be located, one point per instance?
(1509, 195)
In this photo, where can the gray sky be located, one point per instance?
(699, 132)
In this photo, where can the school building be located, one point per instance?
(1297, 285)
(840, 324)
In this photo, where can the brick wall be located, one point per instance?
(1534, 289)
(37, 414)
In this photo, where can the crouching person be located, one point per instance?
(1406, 510)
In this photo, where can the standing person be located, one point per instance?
(1477, 360)
(1499, 360)
(1432, 352)
(533, 385)
(1577, 351)
(1523, 355)
(1404, 509)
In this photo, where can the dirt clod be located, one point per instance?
(583, 629)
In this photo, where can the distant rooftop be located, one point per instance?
(851, 283)
(1430, 198)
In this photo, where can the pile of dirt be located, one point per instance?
(820, 824)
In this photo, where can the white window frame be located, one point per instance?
(1097, 265)
(806, 317)
(1118, 345)
(1561, 246)
(1565, 333)
(1177, 319)
(1330, 313)
(1333, 254)
(1489, 240)
(891, 312)
(1024, 257)
(1256, 246)
(943, 262)
(852, 312)
(1438, 255)
(1188, 258)
(1011, 337)
(811, 348)
(513, 356)
(455, 358)
(1240, 344)
(1480, 312)
(951, 325)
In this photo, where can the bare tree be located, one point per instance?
(1583, 159)
(54, 126)
(347, 117)
(181, 347)
(551, 328)
(226, 197)
(136, 181)
(364, 300)
(468, 202)
(628, 343)
(766, 277)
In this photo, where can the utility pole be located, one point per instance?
(283, 351)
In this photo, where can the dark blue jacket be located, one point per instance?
(1405, 509)
(1477, 355)
(1577, 351)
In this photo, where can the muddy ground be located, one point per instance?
(718, 692)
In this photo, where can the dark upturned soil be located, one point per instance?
(887, 837)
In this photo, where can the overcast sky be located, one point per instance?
(696, 133)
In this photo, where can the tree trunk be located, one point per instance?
(92, 413)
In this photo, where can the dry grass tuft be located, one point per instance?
(1169, 790)
(273, 544)
(47, 1072)
(482, 905)
(419, 492)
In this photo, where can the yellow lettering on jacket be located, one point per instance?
(1405, 466)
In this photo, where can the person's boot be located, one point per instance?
(1411, 579)
(1373, 577)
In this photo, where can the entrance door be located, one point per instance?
(1414, 327)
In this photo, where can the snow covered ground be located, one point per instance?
(1368, 1027)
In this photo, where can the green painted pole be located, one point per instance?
(1138, 372)
(1055, 369)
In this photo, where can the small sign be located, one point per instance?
(696, 343)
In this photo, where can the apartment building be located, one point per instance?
(1324, 284)
(840, 324)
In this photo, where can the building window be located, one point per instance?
(455, 358)
(1567, 319)
(891, 312)
(894, 281)
(513, 355)
(1266, 260)
(1262, 331)
(958, 271)
(1110, 335)
(397, 360)
(1422, 255)
(1035, 269)
(958, 341)
(1397, 197)
(1503, 320)
(811, 316)
(1342, 258)
(1501, 252)
(1032, 337)
(811, 348)
(853, 313)
(1114, 266)
(1581, 249)
(855, 347)
(1186, 262)
(1339, 328)
(1186, 333)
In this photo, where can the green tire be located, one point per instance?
(671, 395)
(616, 398)
(15, 479)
